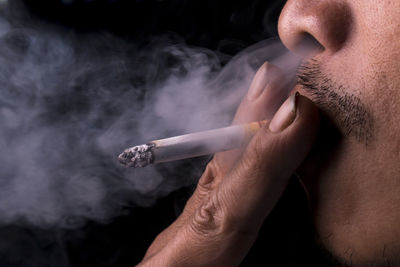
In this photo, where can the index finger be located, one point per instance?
(266, 93)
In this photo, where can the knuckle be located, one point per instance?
(214, 218)
(206, 218)
(209, 178)
(209, 218)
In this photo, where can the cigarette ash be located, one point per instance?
(137, 156)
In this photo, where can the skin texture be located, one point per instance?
(239, 188)
(352, 173)
(354, 185)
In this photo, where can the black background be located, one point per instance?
(286, 238)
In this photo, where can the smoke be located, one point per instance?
(70, 103)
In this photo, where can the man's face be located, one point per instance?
(355, 80)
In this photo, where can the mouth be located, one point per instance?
(325, 148)
(338, 102)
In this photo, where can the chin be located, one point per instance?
(342, 229)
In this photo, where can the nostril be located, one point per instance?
(308, 46)
(315, 26)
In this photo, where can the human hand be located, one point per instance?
(239, 188)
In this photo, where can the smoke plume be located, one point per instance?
(70, 103)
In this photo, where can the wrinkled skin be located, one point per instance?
(240, 187)
(352, 175)
(355, 195)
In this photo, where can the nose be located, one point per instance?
(315, 24)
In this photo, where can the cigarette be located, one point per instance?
(190, 145)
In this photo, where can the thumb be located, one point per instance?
(225, 224)
(252, 188)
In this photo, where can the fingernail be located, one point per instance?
(285, 114)
(260, 81)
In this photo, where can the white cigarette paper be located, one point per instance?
(190, 145)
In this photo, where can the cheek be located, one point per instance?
(370, 68)
(382, 96)
(377, 46)
(356, 204)
(357, 197)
